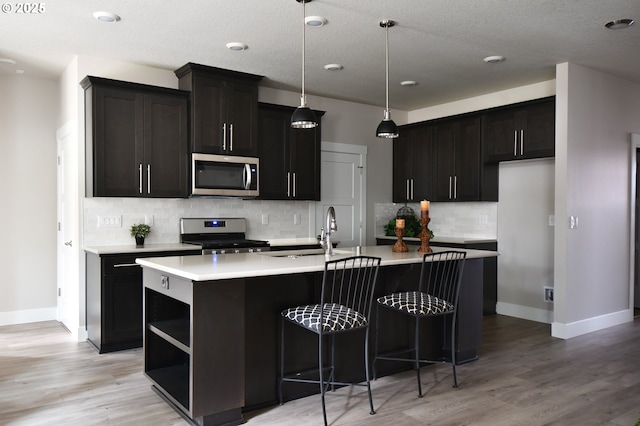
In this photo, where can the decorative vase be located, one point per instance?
(139, 241)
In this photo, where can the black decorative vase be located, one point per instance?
(139, 241)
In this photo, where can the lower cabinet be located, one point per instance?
(114, 299)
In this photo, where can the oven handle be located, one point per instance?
(246, 178)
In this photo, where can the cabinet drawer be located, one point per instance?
(118, 265)
(169, 285)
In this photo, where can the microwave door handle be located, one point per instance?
(246, 179)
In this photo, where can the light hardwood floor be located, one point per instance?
(523, 377)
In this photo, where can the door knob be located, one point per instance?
(68, 243)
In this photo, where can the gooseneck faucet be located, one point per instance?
(329, 228)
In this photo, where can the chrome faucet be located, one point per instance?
(327, 230)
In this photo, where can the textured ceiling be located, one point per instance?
(438, 43)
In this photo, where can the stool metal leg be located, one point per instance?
(416, 343)
(366, 370)
(453, 349)
(281, 361)
(324, 410)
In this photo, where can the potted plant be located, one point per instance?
(139, 232)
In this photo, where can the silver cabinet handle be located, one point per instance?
(224, 136)
(148, 178)
(407, 191)
(521, 141)
(515, 143)
(288, 184)
(412, 189)
(294, 185)
(230, 137)
(455, 187)
(246, 179)
(69, 243)
(449, 187)
(140, 178)
(125, 265)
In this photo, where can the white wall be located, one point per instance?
(28, 193)
(596, 113)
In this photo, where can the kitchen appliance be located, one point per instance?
(219, 235)
(224, 175)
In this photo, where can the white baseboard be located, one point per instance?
(27, 316)
(577, 328)
(524, 312)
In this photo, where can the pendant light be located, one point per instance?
(303, 117)
(387, 128)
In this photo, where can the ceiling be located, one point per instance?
(438, 43)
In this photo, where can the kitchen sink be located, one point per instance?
(294, 254)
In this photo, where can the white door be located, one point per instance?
(343, 184)
(68, 244)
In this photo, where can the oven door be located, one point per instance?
(224, 175)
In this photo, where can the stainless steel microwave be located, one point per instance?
(224, 175)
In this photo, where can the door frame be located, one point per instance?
(635, 148)
(360, 150)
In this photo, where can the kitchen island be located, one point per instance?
(211, 325)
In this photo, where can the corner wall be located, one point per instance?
(596, 113)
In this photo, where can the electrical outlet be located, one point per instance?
(296, 218)
(265, 219)
(148, 219)
(548, 294)
(109, 221)
(573, 222)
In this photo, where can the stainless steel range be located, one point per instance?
(219, 235)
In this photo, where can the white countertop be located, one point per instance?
(243, 265)
(443, 240)
(147, 248)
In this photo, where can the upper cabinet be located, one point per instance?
(289, 158)
(136, 139)
(521, 131)
(412, 159)
(456, 159)
(224, 107)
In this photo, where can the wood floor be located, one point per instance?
(523, 377)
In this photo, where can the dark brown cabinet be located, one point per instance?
(456, 160)
(224, 108)
(412, 160)
(114, 299)
(289, 158)
(136, 141)
(521, 131)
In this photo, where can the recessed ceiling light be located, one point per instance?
(618, 24)
(333, 67)
(107, 17)
(408, 83)
(494, 59)
(315, 21)
(7, 61)
(237, 46)
(19, 71)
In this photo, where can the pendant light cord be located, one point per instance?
(387, 67)
(303, 100)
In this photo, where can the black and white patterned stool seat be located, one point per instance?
(335, 317)
(416, 303)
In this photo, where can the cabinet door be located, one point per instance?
(209, 115)
(304, 154)
(122, 307)
(274, 129)
(444, 170)
(242, 119)
(165, 146)
(539, 130)
(117, 141)
(501, 135)
(467, 159)
(422, 143)
(402, 166)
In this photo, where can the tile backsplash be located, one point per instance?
(166, 215)
(459, 220)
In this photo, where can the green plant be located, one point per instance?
(412, 227)
(140, 230)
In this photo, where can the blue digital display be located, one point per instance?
(215, 224)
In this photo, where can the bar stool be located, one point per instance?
(437, 295)
(345, 305)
